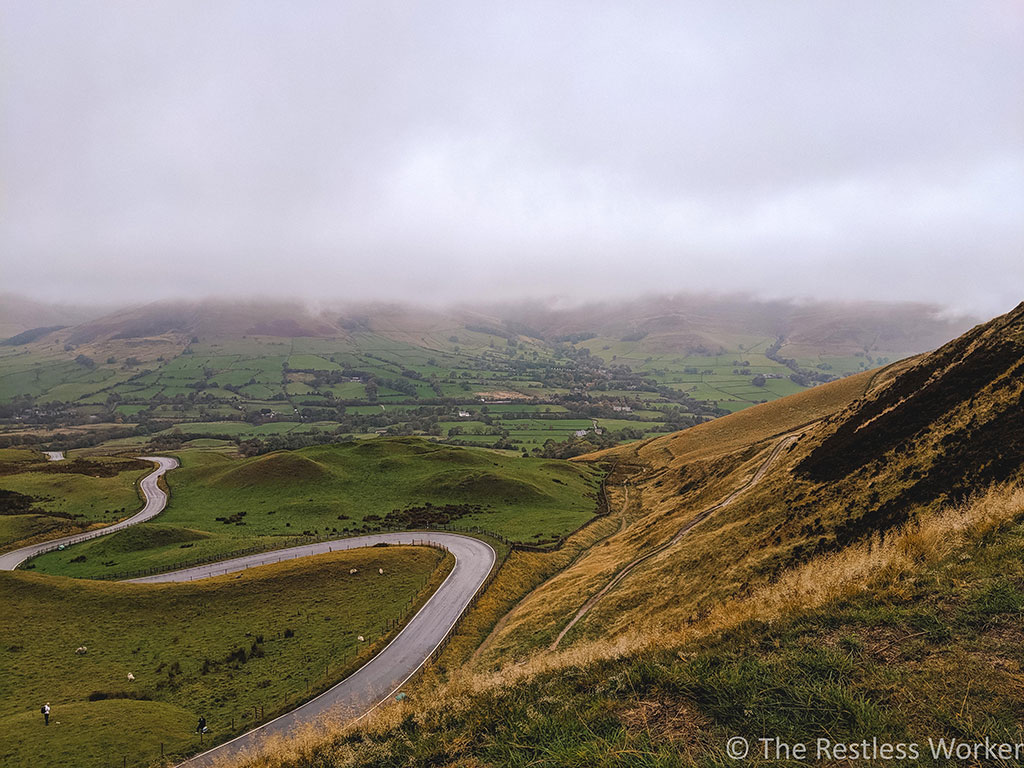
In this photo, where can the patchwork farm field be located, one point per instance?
(497, 384)
(224, 648)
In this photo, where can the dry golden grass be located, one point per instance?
(871, 565)
(521, 573)
(647, 519)
(878, 563)
(787, 518)
(716, 458)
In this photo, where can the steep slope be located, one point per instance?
(868, 452)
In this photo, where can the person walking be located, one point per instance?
(46, 713)
(201, 727)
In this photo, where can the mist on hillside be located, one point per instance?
(681, 320)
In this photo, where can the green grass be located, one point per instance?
(156, 546)
(291, 492)
(96, 499)
(216, 648)
(18, 528)
(338, 490)
(298, 379)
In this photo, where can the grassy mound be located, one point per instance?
(350, 488)
(146, 535)
(481, 487)
(74, 494)
(274, 469)
(220, 505)
(18, 529)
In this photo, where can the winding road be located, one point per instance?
(377, 679)
(156, 500)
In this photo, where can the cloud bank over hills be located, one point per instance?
(580, 150)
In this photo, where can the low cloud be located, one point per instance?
(462, 151)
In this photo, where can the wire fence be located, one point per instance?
(299, 541)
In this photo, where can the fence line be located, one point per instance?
(303, 541)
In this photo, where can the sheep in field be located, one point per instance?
(81, 650)
(131, 678)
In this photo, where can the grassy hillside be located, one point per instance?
(220, 504)
(912, 637)
(354, 487)
(863, 579)
(267, 637)
(645, 500)
(40, 498)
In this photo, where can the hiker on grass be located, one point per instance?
(46, 713)
(201, 728)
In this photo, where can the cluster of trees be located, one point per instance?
(805, 377)
(259, 445)
(66, 441)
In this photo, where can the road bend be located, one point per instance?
(371, 684)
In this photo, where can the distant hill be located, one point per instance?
(675, 323)
(692, 322)
(608, 373)
(19, 314)
(208, 318)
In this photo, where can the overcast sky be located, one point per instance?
(467, 150)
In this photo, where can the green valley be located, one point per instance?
(273, 375)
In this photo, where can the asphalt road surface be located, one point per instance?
(156, 500)
(386, 672)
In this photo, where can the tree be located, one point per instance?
(759, 380)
